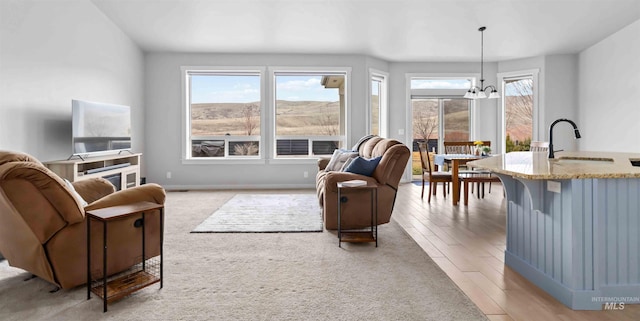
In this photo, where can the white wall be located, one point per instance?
(163, 94)
(55, 51)
(561, 100)
(609, 91)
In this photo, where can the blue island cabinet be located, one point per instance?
(577, 239)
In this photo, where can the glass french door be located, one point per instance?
(436, 120)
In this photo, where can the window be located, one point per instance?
(456, 119)
(310, 110)
(425, 120)
(376, 85)
(378, 104)
(518, 113)
(518, 109)
(224, 114)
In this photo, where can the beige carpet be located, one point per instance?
(260, 276)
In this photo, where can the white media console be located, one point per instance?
(123, 170)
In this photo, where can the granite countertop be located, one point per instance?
(565, 165)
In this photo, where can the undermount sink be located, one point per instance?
(583, 160)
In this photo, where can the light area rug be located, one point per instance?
(259, 276)
(265, 213)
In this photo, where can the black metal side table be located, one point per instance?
(358, 236)
(141, 275)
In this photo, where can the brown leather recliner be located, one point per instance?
(43, 228)
(356, 211)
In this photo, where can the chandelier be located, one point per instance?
(479, 91)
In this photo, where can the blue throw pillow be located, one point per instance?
(363, 166)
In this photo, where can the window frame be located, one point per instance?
(186, 72)
(271, 115)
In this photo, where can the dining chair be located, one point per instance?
(428, 174)
(477, 178)
(472, 145)
(538, 146)
(457, 147)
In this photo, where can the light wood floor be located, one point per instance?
(468, 243)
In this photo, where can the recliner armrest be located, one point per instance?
(149, 192)
(323, 162)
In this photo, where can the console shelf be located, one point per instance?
(122, 170)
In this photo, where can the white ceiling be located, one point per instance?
(401, 30)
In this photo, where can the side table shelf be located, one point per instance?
(359, 236)
(144, 273)
(128, 281)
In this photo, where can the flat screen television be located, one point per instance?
(100, 127)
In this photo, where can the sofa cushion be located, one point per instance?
(363, 166)
(367, 148)
(362, 141)
(339, 157)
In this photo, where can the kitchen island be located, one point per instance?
(573, 224)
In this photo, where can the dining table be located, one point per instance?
(454, 161)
